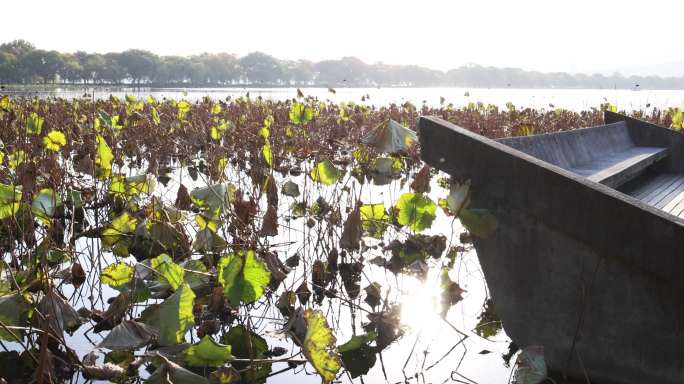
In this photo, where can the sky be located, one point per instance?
(606, 36)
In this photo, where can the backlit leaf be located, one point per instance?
(117, 275)
(34, 124)
(183, 109)
(374, 219)
(54, 141)
(243, 277)
(268, 154)
(319, 345)
(325, 173)
(104, 157)
(121, 225)
(170, 272)
(156, 119)
(416, 211)
(132, 186)
(300, 114)
(10, 196)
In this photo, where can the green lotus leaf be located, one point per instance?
(416, 211)
(243, 277)
(207, 353)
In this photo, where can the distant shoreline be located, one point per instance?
(49, 87)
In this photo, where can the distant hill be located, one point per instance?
(23, 63)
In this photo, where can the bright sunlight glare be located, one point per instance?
(421, 305)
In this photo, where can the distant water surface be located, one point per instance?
(572, 99)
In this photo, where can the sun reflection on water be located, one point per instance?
(421, 305)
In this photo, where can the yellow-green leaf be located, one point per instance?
(319, 345)
(183, 108)
(16, 158)
(10, 196)
(216, 109)
(268, 154)
(132, 186)
(54, 141)
(34, 124)
(325, 173)
(156, 119)
(121, 225)
(169, 272)
(416, 211)
(117, 275)
(104, 157)
(243, 277)
(300, 114)
(374, 219)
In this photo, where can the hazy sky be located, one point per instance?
(572, 36)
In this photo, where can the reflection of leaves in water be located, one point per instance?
(489, 324)
(373, 294)
(479, 222)
(351, 277)
(410, 255)
(531, 366)
(386, 325)
(358, 356)
(216, 246)
(451, 292)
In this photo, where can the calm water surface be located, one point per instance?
(573, 99)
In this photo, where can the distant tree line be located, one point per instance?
(23, 63)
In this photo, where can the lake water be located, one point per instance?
(573, 99)
(431, 350)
